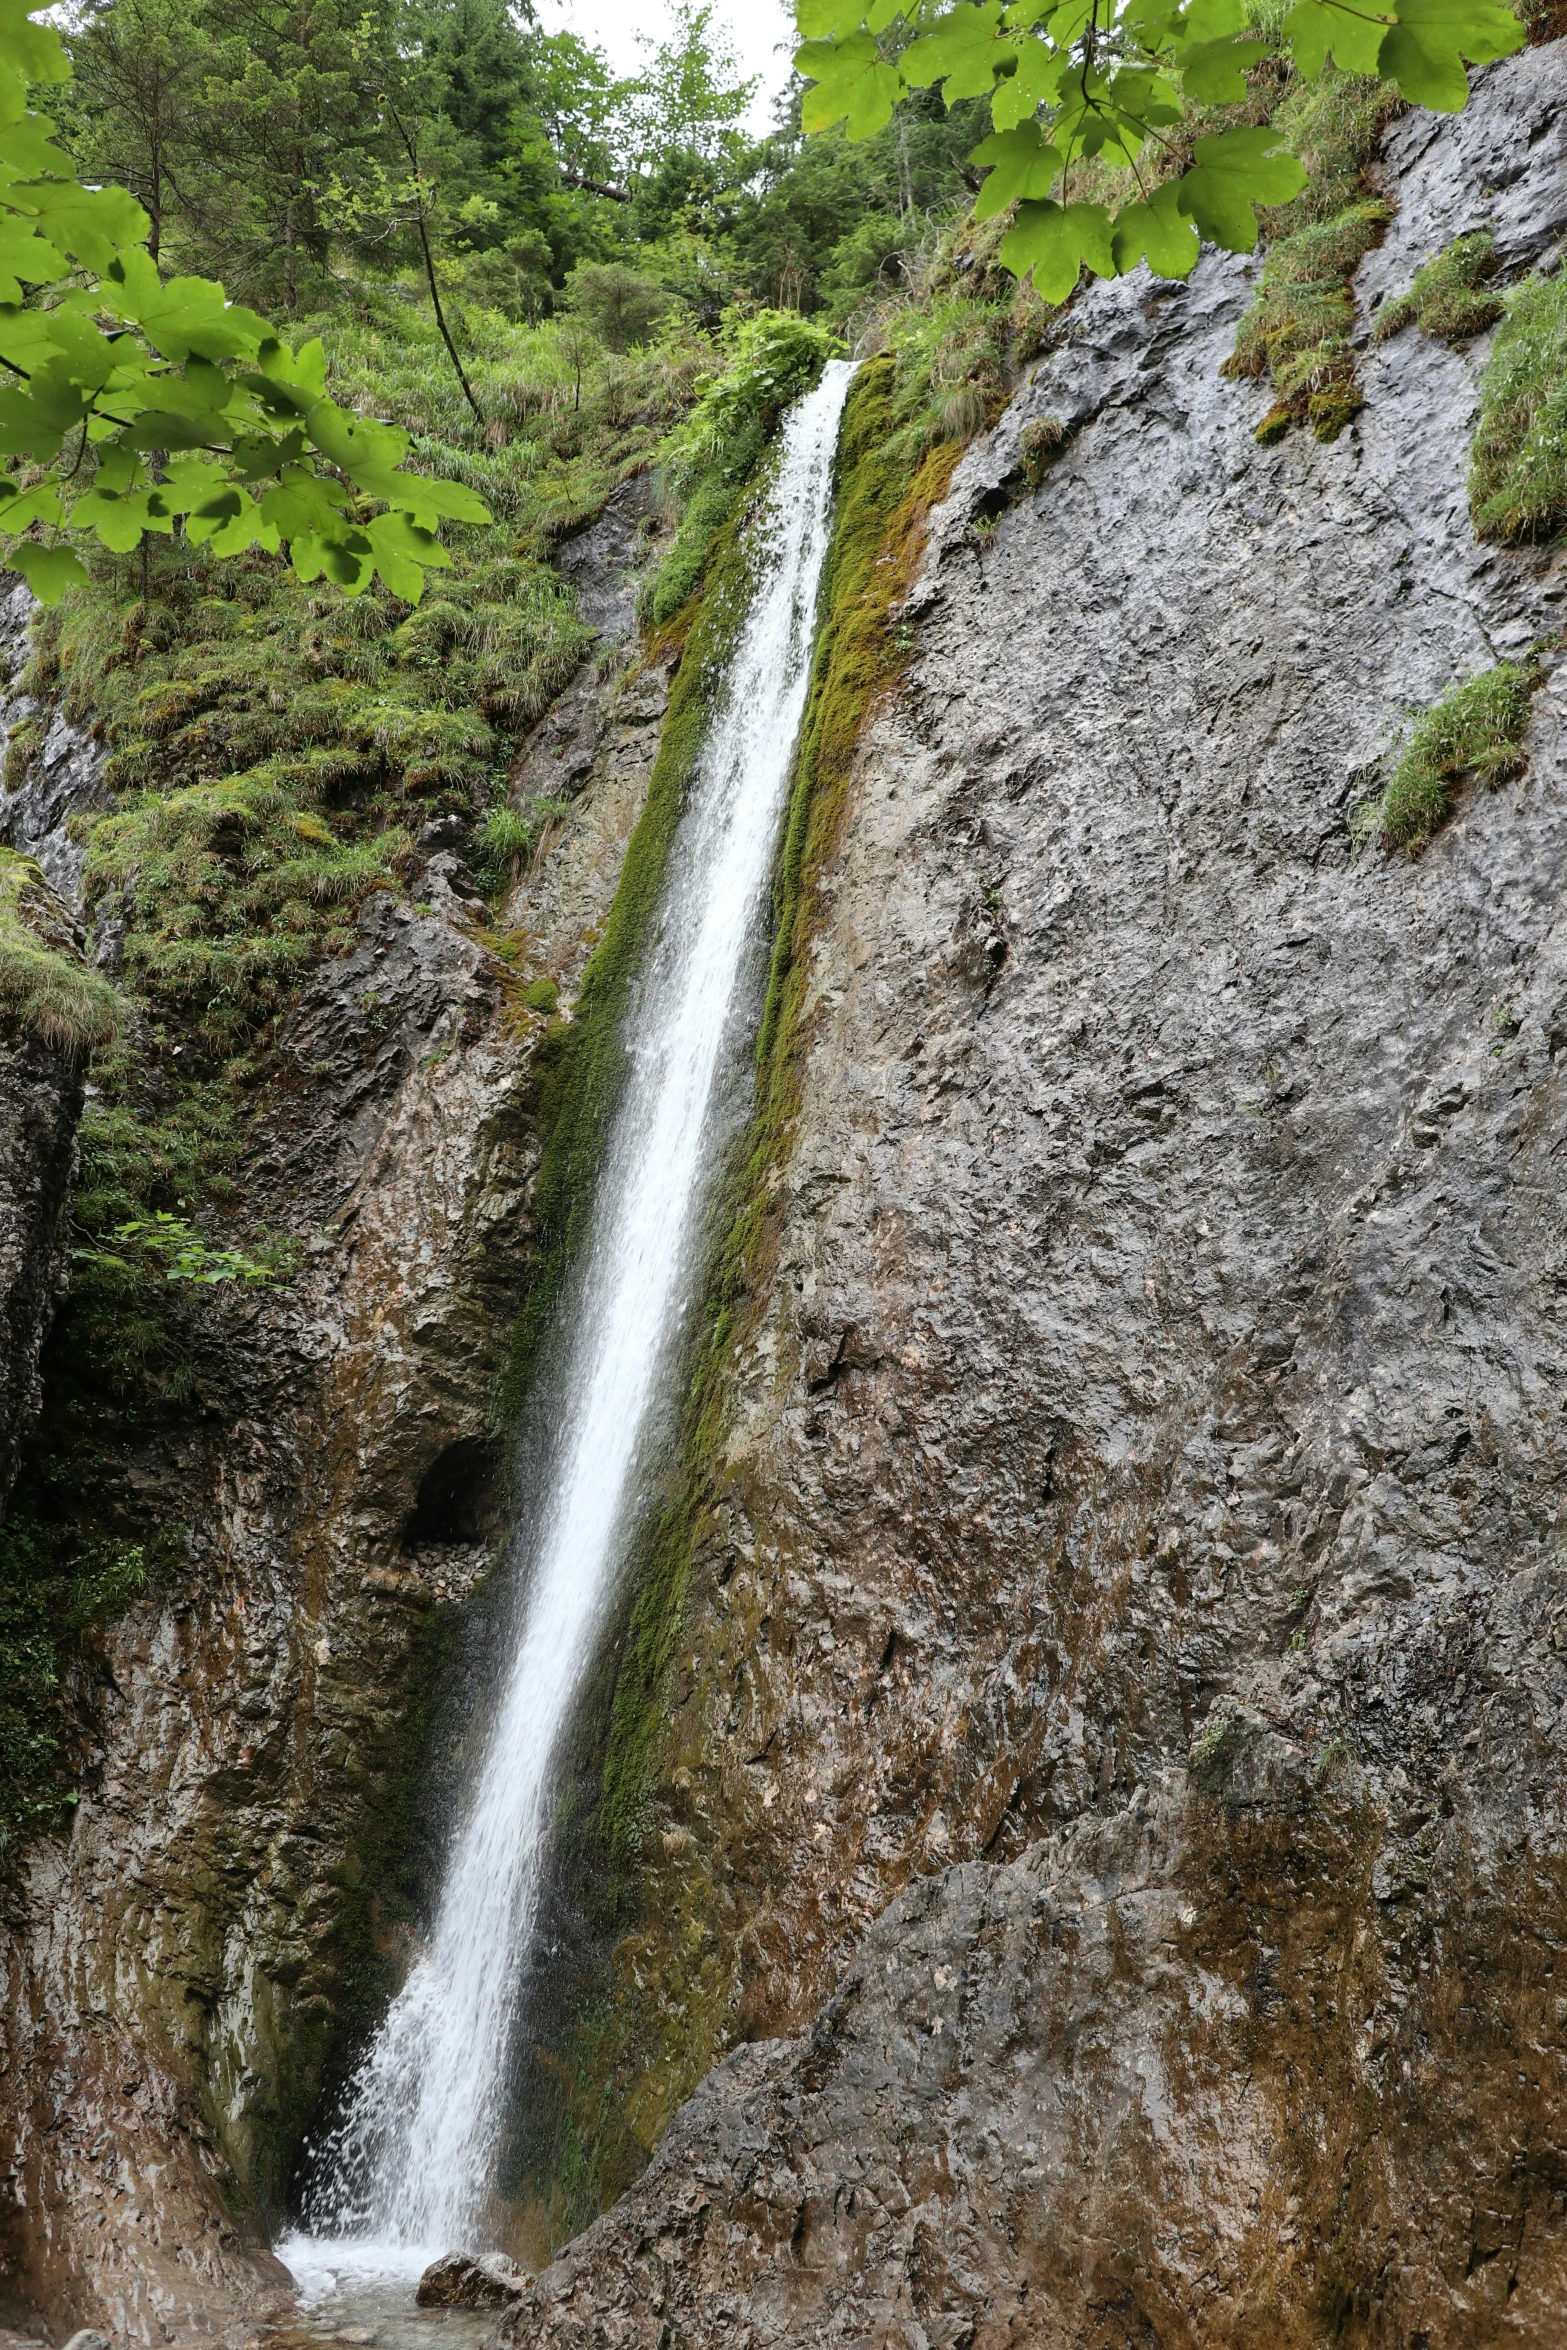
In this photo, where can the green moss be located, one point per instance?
(1452, 297)
(1518, 464)
(1477, 729)
(232, 891)
(45, 989)
(1297, 328)
(634, 2042)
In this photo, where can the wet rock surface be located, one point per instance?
(605, 564)
(61, 774)
(465, 2281)
(1141, 1522)
(172, 1975)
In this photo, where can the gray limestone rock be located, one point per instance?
(464, 2280)
(1143, 1504)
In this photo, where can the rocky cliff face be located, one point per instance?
(175, 1976)
(1111, 1779)
(1138, 1558)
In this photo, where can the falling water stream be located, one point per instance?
(410, 2169)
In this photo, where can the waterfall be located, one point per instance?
(411, 2164)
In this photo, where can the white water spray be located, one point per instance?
(412, 2163)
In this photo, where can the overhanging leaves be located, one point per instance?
(1101, 81)
(146, 427)
(1231, 172)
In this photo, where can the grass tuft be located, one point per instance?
(1477, 729)
(1452, 297)
(506, 841)
(1297, 328)
(1518, 463)
(45, 988)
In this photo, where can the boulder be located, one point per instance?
(463, 2280)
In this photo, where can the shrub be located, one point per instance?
(772, 358)
(1452, 297)
(621, 308)
(1477, 729)
(1518, 464)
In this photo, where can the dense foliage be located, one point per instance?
(177, 405)
(1089, 83)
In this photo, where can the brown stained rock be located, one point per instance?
(463, 2281)
(1163, 1364)
(1079, 2099)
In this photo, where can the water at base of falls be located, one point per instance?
(408, 2171)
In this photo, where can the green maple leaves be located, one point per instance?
(1110, 78)
(144, 405)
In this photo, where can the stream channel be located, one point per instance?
(408, 2172)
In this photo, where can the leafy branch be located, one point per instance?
(183, 1254)
(179, 407)
(1108, 79)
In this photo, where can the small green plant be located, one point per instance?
(45, 988)
(1297, 328)
(180, 1252)
(507, 839)
(1452, 297)
(1518, 464)
(1477, 729)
